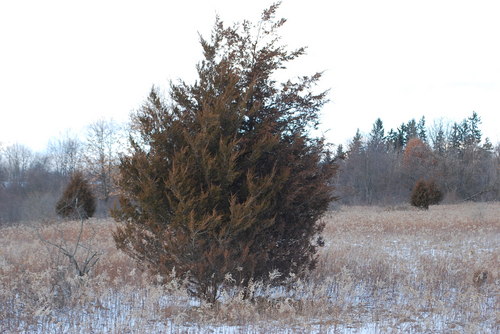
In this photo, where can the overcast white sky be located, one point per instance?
(64, 64)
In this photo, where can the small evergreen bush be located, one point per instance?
(435, 195)
(425, 193)
(77, 201)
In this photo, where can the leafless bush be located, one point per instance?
(75, 256)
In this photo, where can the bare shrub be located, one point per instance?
(76, 255)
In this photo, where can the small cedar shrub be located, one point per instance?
(435, 195)
(77, 201)
(425, 193)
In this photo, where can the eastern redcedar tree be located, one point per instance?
(77, 200)
(225, 177)
(425, 193)
(435, 194)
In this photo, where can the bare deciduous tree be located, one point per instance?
(101, 155)
(18, 158)
(66, 154)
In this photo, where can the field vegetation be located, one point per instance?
(220, 194)
(382, 269)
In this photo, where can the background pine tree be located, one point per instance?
(224, 178)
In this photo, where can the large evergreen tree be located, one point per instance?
(224, 177)
(377, 139)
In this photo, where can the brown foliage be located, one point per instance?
(425, 193)
(417, 153)
(225, 180)
(77, 201)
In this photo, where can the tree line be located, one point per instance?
(31, 182)
(382, 167)
(375, 168)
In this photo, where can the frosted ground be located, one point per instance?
(382, 270)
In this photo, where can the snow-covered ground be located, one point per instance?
(381, 271)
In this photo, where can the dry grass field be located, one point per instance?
(382, 270)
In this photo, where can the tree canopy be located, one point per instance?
(224, 177)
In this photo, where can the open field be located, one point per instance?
(382, 270)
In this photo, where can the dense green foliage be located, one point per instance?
(224, 183)
(77, 201)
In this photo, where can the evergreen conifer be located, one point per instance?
(225, 178)
(77, 201)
